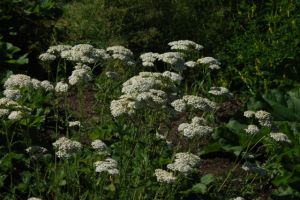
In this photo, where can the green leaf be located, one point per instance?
(199, 188)
(207, 179)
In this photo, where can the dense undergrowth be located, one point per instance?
(85, 118)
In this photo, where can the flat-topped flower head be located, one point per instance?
(280, 137)
(149, 58)
(212, 63)
(194, 102)
(61, 87)
(57, 49)
(220, 91)
(249, 113)
(16, 81)
(164, 176)
(264, 118)
(47, 86)
(81, 74)
(184, 45)
(109, 165)
(16, 115)
(175, 59)
(66, 147)
(184, 162)
(99, 145)
(195, 129)
(190, 64)
(74, 124)
(124, 105)
(252, 129)
(47, 57)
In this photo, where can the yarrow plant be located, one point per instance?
(66, 148)
(184, 163)
(195, 129)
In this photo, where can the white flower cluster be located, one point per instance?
(34, 198)
(238, 198)
(144, 89)
(81, 74)
(109, 165)
(83, 53)
(121, 53)
(263, 117)
(66, 147)
(184, 162)
(164, 176)
(61, 87)
(190, 64)
(149, 58)
(173, 58)
(220, 91)
(17, 81)
(196, 128)
(210, 61)
(12, 109)
(74, 124)
(252, 129)
(184, 45)
(36, 151)
(195, 102)
(280, 137)
(99, 146)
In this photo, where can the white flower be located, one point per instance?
(173, 58)
(47, 57)
(12, 94)
(34, 198)
(66, 147)
(109, 165)
(153, 96)
(46, 85)
(280, 137)
(36, 84)
(214, 66)
(99, 145)
(74, 124)
(249, 113)
(184, 162)
(16, 81)
(121, 53)
(184, 45)
(196, 128)
(15, 115)
(238, 198)
(149, 58)
(164, 176)
(61, 87)
(209, 61)
(264, 118)
(252, 129)
(220, 91)
(174, 77)
(124, 105)
(195, 102)
(81, 74)
(3, 112)
(190, 64)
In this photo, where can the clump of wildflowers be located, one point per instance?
(175, 59)
(164, 176)
(264, 118)
(121, 53)
(66, 147)
(47, 57)
(109, 165)
(16, 115)
(249, 113)
(190, 64)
